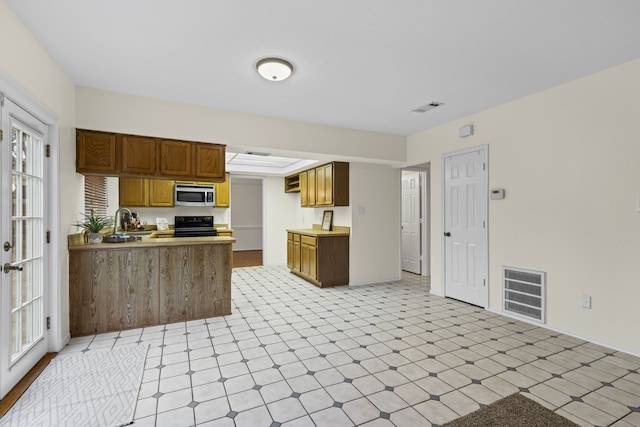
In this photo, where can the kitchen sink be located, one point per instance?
(119, 238)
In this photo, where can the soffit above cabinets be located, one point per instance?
(264, 163)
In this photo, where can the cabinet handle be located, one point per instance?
(447, 234)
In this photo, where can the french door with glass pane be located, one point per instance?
(23, 297)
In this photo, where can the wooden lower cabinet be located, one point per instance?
(118, 289)
(188, 275)
(323, 260)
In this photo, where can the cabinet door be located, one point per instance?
(134, 192)
(97, 152)
(311, 187)
(324, 185)
(139, 155)
(308, 252)
(320, 185)
(313, 261)
(209, 161)
(304, 193)
(176, 158)
(289, 250)
(296, 252)
(161, 193)
(223, 193)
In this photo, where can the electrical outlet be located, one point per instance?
(586, 301)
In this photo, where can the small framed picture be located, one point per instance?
(327, 220)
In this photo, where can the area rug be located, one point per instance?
(96, 388)
(513, 410)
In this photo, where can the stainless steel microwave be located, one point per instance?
(195, 195)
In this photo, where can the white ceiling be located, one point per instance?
(362, 64)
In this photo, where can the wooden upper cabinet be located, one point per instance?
(176, 158)
(304, 189)
(97, 152)
(133, 192)
(325, 185)
(139, 155)
(223, 193)
(143, 192)
(113, 154)
(209, 161)
(161, 192)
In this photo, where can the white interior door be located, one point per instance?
(23, 296)
(411, 222)
(465, 227)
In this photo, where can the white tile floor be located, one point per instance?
(292, 354)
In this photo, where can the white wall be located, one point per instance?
(25, 62)
(375, 216)
(281, 211)
(568, 159)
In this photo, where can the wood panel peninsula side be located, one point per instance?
(319, 256)
(120, 286)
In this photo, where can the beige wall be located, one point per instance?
(100, 110)
(568, 158)
(25, 62)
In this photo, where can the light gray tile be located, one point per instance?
(459, 402)
(316, 400)
(286, 410)
(589, 413)
(361, 410)
(387, 401)
(211, 410)
(331, 417)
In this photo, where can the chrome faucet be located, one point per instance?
(115, 219)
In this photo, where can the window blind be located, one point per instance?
(95, 195)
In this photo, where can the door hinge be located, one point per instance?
(1, 135)
(484, 282)
(1, 99)
(48, 237)
(484, 224)
(47, 150)
(484, 166)
(48, 322)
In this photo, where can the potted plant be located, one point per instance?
(92, 225)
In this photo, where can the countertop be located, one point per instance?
(147, 242)
(317, 232)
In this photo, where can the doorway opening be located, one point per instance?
(415, 247)
(246, 220)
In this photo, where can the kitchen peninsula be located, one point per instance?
(117, 286)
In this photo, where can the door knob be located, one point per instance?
(447, 234)
(8, 267)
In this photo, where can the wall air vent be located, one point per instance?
(524, 293)
(427, 107)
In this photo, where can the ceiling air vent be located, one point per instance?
(427, 107)
(257, 153)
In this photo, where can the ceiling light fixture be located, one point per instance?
(274, 69)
